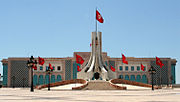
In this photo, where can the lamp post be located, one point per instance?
(13, 79)
(152, 71)
(48, 71)
(23, 81)
(30, 64)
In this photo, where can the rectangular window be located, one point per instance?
(132, 68)
(138, 68)
(144, 68)
(120, 68)
(53, 67)
(58, 68)
(47, 67)
(126, 68)
(41, 68)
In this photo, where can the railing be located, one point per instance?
(84, 82)
(116, 86)
(122, 81)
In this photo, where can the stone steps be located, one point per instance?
(99, 85)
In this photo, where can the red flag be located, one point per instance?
(50, 66)
(159, 62)
(113, 69)
(99, 17)
(124, 59)
(34, 67)
(79, 59)
(41, 60)
(90, 44)
(142, 67)
(78, 69)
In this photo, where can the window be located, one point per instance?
(53, 67)
(41, 68)
(120, 68)
(144, 68)
(132, 68)
(47, 67)
(126, 68)
(58, 68)
(120, 76)
(138, 68)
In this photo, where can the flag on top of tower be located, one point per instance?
(99, 17)
(159, 62)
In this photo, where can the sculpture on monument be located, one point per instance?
(95, 68)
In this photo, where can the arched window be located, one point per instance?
(53, 79)
(132, 77)
(144, 79)
(126, 77)
(35, 80)
(41, 81)
(120, 76)
(138, 78)
(58, 78)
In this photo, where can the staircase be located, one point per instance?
(99, 85)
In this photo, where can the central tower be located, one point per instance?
(95, 68)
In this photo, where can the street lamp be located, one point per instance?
(30, 64)
(13, 80)
(152, 71)
(48, 71)
(23, 81)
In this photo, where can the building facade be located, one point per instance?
(16, 72)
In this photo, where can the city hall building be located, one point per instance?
(16, 72)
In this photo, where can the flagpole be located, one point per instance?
(96, 22)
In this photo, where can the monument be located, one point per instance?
(95, 68)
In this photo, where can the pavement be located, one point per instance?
(138, 95)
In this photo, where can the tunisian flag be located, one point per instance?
(113, 69)
(124, 59)
(142, 67)
(159, 62)
(99, 17)
(41, 60)
(50, 66)
(78, 68)
(34, 67)
(79, 59)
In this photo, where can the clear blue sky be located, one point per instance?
(57, 28)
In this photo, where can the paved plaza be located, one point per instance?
(140, 95)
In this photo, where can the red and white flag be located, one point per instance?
(50, 66)
(41, 60)
(79, 59)
(159, 62)
(124, 59)
(78, 68)
(142, 67)
(99, 17)
(113, 69)
(34, 67)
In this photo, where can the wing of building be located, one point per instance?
(16, 73)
